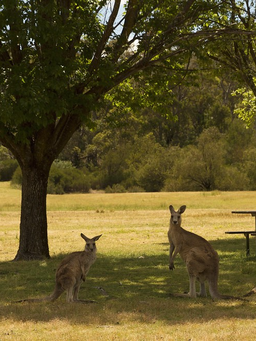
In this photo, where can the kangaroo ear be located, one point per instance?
(182, 209)
(171, 208)
(84, 237)
(97, 237)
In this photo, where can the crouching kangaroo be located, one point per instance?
(71, 272)
(201, 259)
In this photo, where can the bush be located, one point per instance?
(152, 176)
(135, 189)
(16, 178)
(115, 189)
(7, 169)
(198, 167)
(5, 154)
(67, 180)
(249, 167)
(155, 167)
(232, 179)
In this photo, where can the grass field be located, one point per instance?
(132, 268)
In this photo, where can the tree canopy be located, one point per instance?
(59, 58)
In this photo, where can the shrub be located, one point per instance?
(155, 167)
(198, 167)
(67, 180)
(232, 179)
(115, 189)
(16, 178)
(135, 189)
(151, 177)
(7, 169)
(249, 167)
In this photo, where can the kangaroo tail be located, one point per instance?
(252, 292)
(215, 295)
(47, 298)
(228, 297)
(58, 290)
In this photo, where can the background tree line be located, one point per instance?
(184, 138)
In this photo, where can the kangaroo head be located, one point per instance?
(176, 216)
(90, 243)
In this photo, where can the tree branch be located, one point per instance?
(130, 20)
(105, 37)
(64, 129)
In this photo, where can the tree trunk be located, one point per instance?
(33, 243)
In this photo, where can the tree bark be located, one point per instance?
(33, 243)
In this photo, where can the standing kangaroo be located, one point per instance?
(72, 271)
(201, 259)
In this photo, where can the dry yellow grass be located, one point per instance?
(132, 267)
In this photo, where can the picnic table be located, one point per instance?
(245, 233)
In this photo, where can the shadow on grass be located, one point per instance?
(137, 287)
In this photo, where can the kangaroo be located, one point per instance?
(201, 259)
(71, 272)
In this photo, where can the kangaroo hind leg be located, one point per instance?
(192, 277)
(70, 294)
(202, 292)
(70, 285)
(76, 290)
(192, 286)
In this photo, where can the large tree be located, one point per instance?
(58, 58)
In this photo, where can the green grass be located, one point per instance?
(132, 268)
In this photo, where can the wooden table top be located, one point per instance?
(252, 212)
